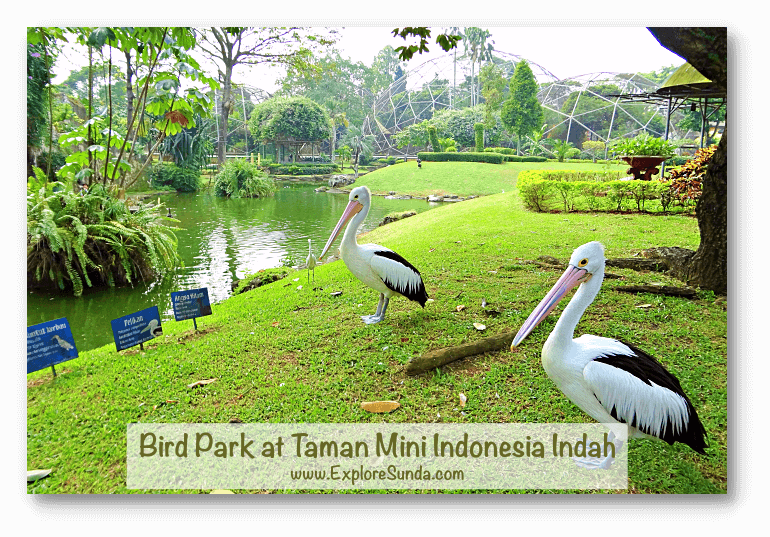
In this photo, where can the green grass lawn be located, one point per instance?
(282, 354)
(461, 178)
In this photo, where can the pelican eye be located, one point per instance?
(583, 262)
(355, 197)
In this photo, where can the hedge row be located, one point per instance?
(301, 168)
(491, 158)
(551, 190)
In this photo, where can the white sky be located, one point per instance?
(565, 51)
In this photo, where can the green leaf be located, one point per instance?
(100, 36)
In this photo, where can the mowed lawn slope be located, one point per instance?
(283, 354)
(462, 178)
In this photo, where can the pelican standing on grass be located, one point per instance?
(311, 261)
(611, 381)
(378, 267)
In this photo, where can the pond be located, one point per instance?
(220, 241)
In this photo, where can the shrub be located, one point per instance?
(491, 158)
(433, 137)
(302, 168)
(501, 150)
(166, 175)
(542, 190)
(241, 179)
(478, 129)
(57, 161)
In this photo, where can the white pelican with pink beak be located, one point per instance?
(611, 381)
(378, 267)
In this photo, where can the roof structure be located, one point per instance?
(685, 86)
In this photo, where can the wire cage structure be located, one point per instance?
(586, 107)
(595, 106)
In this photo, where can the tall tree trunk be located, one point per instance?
(224, 114)
(706, 50)
(708, 267)
(129, 91)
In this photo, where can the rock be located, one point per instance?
(341, 180)
(396, 217)
(435, 198)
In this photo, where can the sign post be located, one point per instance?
(136, 328)
(191, 304)
(48, 344)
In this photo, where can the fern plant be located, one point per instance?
(75, 241)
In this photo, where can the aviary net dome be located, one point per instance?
(577, 109)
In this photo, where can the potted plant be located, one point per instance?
(643, 153)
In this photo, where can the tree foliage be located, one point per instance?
(296, 118)
(522, 113)
(446, 41)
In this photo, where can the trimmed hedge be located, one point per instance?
(509, 155)
(552, 190)
(490, 158)
(303, 168)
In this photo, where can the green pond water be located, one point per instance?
(220, 241)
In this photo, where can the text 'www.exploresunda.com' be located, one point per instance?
(391, 473)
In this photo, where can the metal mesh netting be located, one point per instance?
(576, 109)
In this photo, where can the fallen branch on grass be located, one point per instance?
(669, 290)
(441, 357)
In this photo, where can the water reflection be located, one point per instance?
(220, 241)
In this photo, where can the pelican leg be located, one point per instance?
(379, 314)
(593, 463)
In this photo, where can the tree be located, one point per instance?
(593, 148)
(359, 143)
(493, 89)
(445, 41)
(706, 50)
(522, 113)
(475, 40)
(37, 114)
(293, 120)
(230, 47)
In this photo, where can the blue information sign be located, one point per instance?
(136, 328)
(191, 303)
(49, 344)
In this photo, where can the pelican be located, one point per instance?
(311, 260)
(378, 267)
(154, 327)
(611, 381)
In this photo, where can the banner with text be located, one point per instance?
(49, 343)
(376, 456)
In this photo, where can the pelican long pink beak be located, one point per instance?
(351, 210)
(572, 277)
